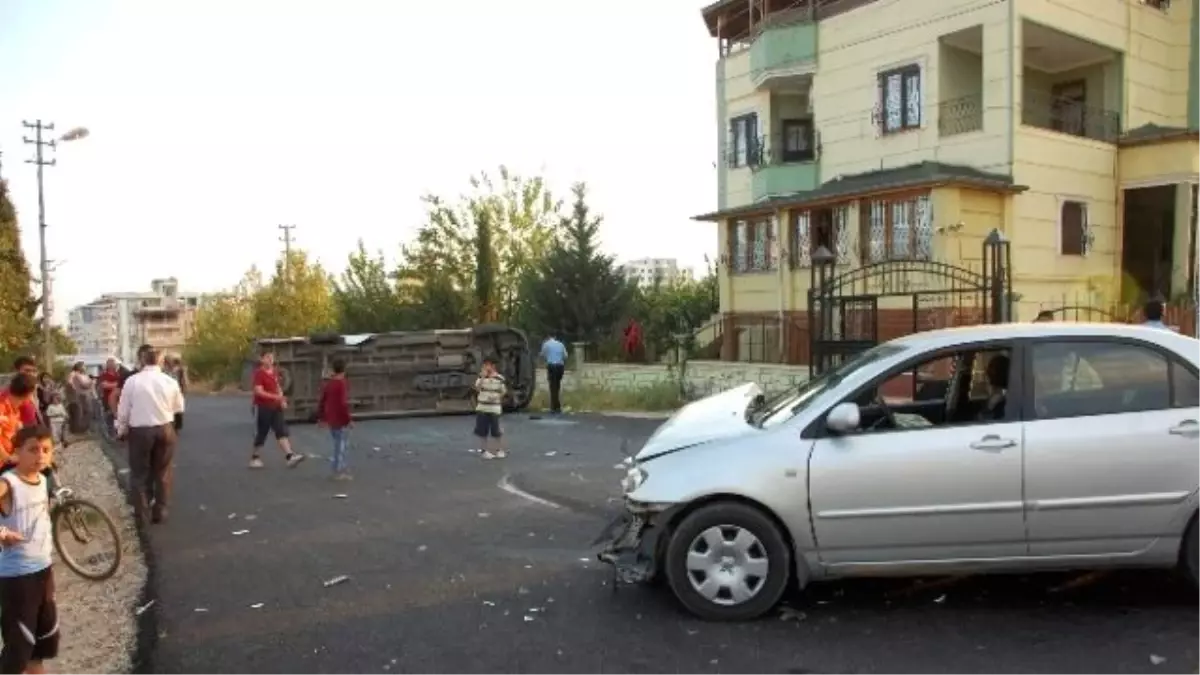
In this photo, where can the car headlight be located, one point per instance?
(633, 479)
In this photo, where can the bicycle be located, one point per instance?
(84, 521)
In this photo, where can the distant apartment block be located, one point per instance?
(115, 324)
(646, 271)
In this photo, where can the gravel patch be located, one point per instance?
(98, 624)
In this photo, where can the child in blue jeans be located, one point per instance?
(334, 412)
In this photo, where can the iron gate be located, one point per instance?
(844, 313)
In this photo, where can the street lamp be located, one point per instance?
(41, 162)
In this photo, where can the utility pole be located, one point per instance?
(287, 250)
(40, 161)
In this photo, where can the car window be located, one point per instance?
(1077, 379)
(928, 381)
(1185, 386)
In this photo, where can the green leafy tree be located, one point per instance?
(576, 291)
(17, 307)
(523, 217)
(222, 338)
(366, 296)
(297, 301)
(485, 268)
(672, 307)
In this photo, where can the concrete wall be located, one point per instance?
(703, 377)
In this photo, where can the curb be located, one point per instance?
(142, 658)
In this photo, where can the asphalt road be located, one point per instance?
(451, 573)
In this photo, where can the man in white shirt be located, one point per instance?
(150, 399)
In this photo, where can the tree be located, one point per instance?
(223, 335)
(365, 296)
(485, 269)
(675, 306)
(576, 292)
(17, 307)
(523, 216)
(297, 301)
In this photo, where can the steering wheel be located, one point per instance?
(888, 415)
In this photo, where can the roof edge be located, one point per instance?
(762, 208)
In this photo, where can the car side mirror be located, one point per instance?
(843, 418)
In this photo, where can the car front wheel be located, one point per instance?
(728, 562)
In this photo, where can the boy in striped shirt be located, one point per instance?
(489, 404)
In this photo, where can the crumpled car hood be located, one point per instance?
(721, 415)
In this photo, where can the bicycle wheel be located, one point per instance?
(79, 522)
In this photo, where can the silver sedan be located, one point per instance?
(999, 448)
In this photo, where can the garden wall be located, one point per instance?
(703, 377)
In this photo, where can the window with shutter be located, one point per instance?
(896, 229)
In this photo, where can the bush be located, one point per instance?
(657, 397)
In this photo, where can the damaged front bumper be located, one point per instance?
(630, 543)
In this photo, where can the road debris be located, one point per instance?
(141, 610)
(791, 614)
(484, 514)
(232, 516)
(251, 516)
(939, 599)
(238, 533)
(200, 610)
(528, 618)
(341, 496)
(203, 507)
(552, 453)
(1156, 660)
(257, 605)
(376, 449)
(422, 548)
(122, 472)
(488, 603)
(339, 579)
(522, 591)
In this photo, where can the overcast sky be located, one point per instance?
(215, 120)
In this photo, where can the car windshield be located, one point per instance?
(789, 402)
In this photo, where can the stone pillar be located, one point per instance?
(577, 353)
(1182, 244)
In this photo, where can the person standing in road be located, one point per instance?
(555, 356)
(489, 405)
(269, 404)
(334, 412)
(145, 417)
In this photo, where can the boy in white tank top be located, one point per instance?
(28, 615)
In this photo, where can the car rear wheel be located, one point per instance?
(728, 562)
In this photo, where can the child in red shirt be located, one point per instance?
(334, 412)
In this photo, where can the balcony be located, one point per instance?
(784, 54)
(1069, 85)
(787, 161)
(961, 115)
(960, 82)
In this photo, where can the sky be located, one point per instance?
(214, 121)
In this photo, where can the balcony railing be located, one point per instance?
(960, 115)
(795, 146)
(1072, 117)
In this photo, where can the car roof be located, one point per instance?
(949, 337)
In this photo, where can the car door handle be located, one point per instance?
(991, 442)
(1189, 428)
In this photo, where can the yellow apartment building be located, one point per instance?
(903, 132)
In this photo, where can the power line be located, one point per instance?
(39, 160)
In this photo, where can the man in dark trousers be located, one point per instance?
(555, 356)
(150, 399)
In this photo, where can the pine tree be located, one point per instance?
(577, 292)
(485, 268)
(16, 304)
